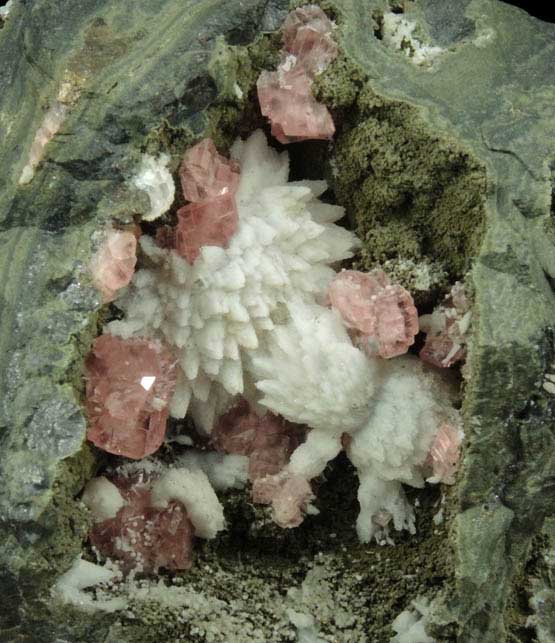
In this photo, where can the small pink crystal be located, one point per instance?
(113, 264)
(382, 317)
(144, 537)
(129, 384)
(208, 223)
(286, 99)
(288, 494)
(444, 454)
(267, 440)
(307, 35)
(205, 174)
(285, 96)
(447, 329)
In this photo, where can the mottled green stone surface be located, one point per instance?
(452, 163)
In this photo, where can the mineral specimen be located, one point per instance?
(285, 96)
(382, 317)
(128, 385)
(447, 329)
(210, 182)
(113, 264)
(289, 496)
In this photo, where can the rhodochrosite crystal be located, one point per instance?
(286, 99)
(382, 317)
(444, 454)
(205, 174)
(113, 264)
(289, 495)
(210, 182)
(267, 440)
(285, 96)
(142, 536)
(447, 329)
(129, 383)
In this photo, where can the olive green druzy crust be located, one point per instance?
(449, 163)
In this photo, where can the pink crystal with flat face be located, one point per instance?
(286, 99)
(267, 440)
(447, 329)
(210, 182)
(444, 454)
(208, 223)
(113, 264)
(288, 494)
(128, 386)
(205, 174)
(307, 35)
(142, 537)
(381, 317)
(285, 96)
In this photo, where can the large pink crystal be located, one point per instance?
(447, 329)
(267, 440)
(210, 182)
(289, 495)
(444, 454)
(285, 96)
(381, 317)
(286, 99)
(144, 537)
(207, 223)
(205, 174)
(113, 264)
(129, 384)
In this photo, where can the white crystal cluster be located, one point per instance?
(220, 311)
(154, 178)
(249, 320)
(401, 34)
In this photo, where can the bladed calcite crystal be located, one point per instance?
(128, 386)
(285, 95)
(210, 182)
(268, 440)
(381, 316)
(447, 329)
(445, 454)
(141, 536)
(113, 264)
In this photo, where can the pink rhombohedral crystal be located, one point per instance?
(113, 264)
(289, 495)
(128, 385)
(210, 182)
(267, 440)
(285, 96)
(381, 317)
(143, 537)
(444, 455)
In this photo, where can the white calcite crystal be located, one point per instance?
(82, 575)
(410, 625)
(225, 471)
(102, 498)
(220, 311)
(5, 10)
(192, 488)
(154, 178)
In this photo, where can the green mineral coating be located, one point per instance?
(449, 164)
